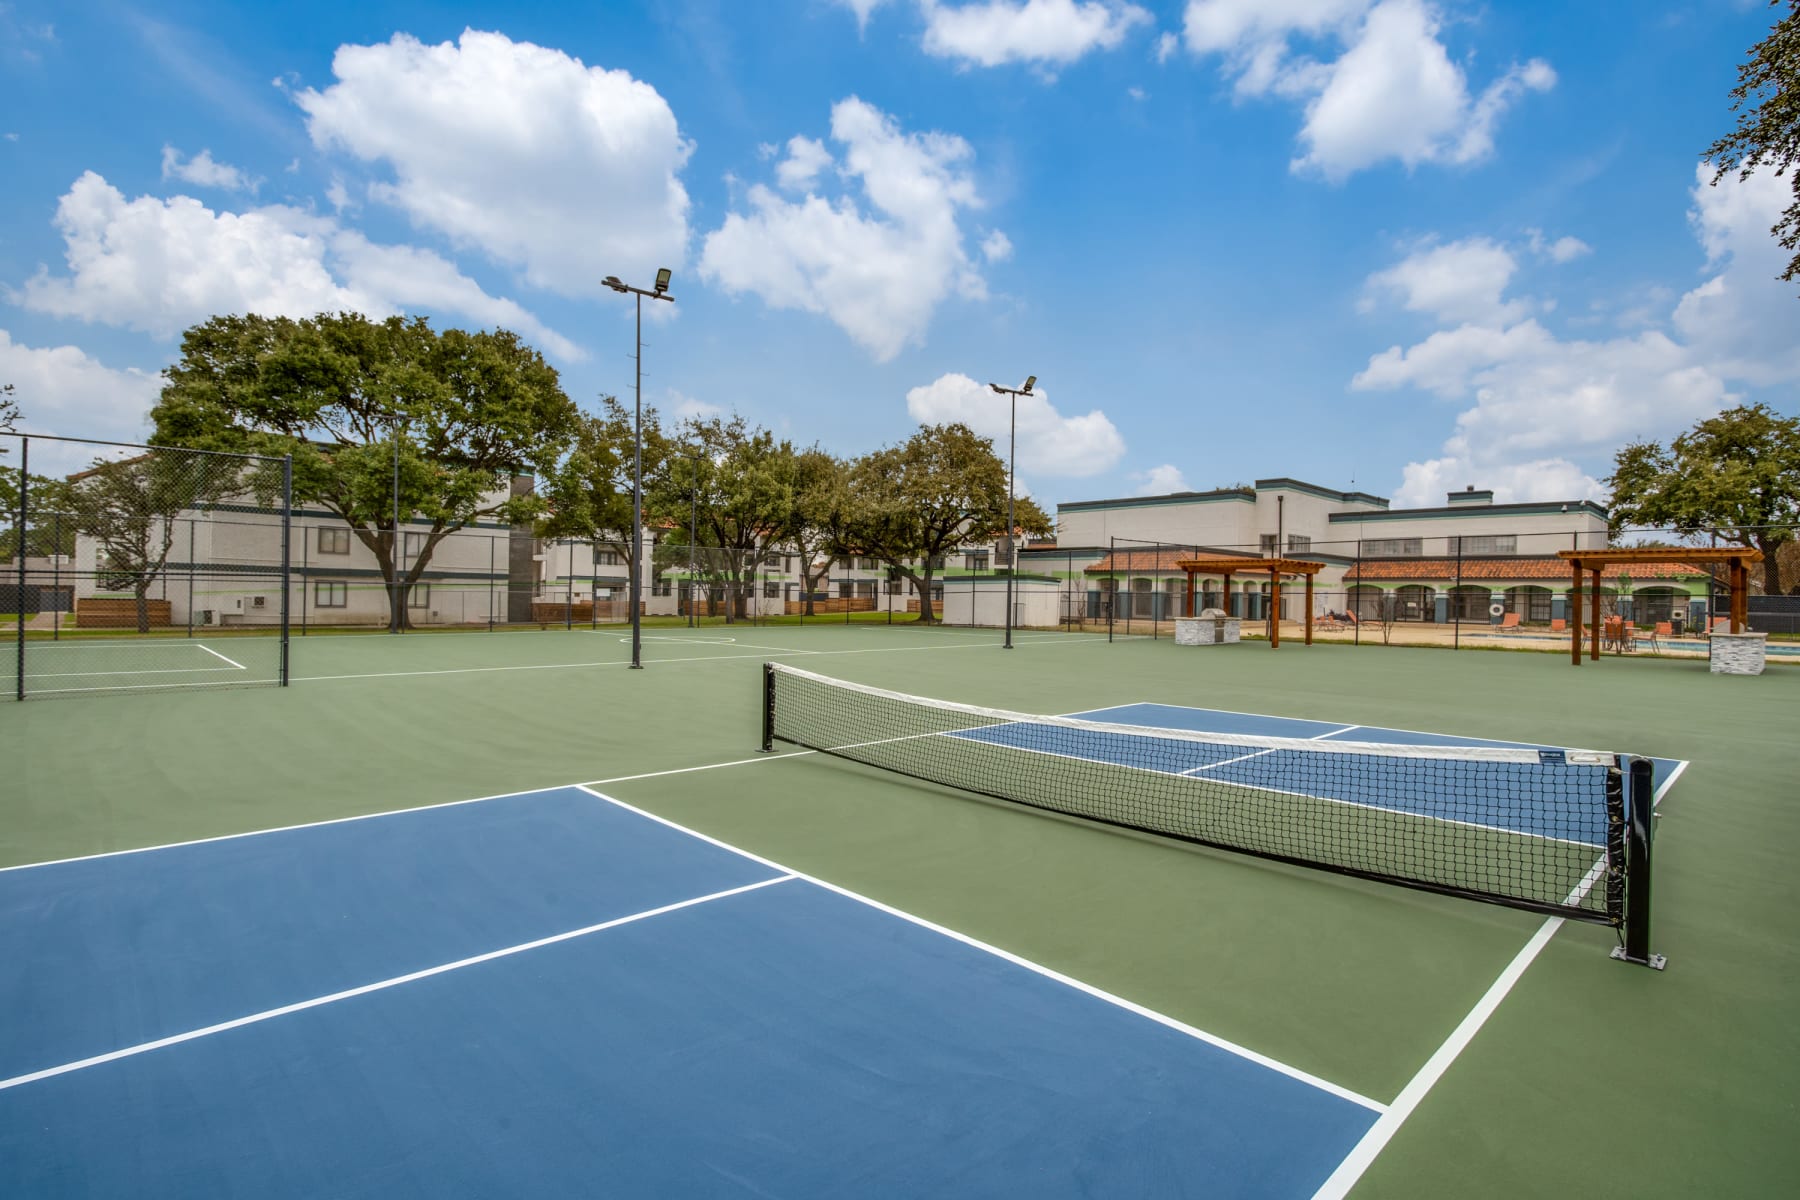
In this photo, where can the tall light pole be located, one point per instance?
(1012, 525)
(661, 292)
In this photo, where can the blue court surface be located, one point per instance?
(553, 993)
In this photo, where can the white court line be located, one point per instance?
(1051, 640)
(1255, 754)
(240, 666)
(151, 671)
(1261, 1060)
(397, 812)
(381, 985)
(62, 648)
(1388, 1124)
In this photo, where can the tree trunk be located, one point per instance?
(1771, 564)
(142, 590)
(926, 615)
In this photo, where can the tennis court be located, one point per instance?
(54, 668)
(272, 949)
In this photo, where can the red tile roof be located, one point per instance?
(1511, 568)
(1155, 560)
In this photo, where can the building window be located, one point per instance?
(845, 562)
(419, 596)
(608, 558)
(333, 541)
(976, 560)
(1391, 548)
(1268, 545)
(414, 546)
(866, 589)
(1298, 542)
(771, 591)
(893, 586)
(844, 589)
(1503, 543)
(331, 595)
(937, 562)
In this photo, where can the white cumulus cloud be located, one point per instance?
(61, 390)
(1160, 481)
(566, 172)
(1049, 443)
(1046, 32)
(1459, 281)
(877, 265)
(159, 266)
(1392, 93)
(203, 170)
(1536, 404)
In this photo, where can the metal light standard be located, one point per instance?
(1012, 525)
(661, 292)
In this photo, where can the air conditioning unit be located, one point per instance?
(259, 601)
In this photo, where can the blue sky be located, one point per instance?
(1410, 245)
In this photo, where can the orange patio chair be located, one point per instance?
(1509, 621)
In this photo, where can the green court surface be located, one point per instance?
(1585, 1077)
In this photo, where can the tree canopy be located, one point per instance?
(914, 502)
(588, 493)
(1736, 474)
(344, 395)
(1767, 102)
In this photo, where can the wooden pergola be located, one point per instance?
(1276, 567)
(1737, 558)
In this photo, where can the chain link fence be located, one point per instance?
(146, 569)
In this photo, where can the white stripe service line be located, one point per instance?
(382, 985)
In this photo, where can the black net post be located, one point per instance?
(19, 555)
(768, 707)
(1639, 833)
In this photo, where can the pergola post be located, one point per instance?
(1594, 609)
(1275, 609)
(1309, 608)
(1189, 611)
(1225, 595)
(1740, 595)
(1575, 611)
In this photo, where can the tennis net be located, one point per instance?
(1543, 830)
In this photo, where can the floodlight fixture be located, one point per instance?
(1029, 381)
(662, 280)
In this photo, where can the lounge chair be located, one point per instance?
(1509, 621)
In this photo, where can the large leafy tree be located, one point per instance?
(915, 502)
(1767, 103)
(344, 395)
(819, 526)
(9, 408)
(134, 509)
(741, 482)
(1736, 474)
(588, 493)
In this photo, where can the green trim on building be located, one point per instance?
(1463, 512)
(1284, 484)
(1238, 494)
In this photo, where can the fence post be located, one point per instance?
(287, 580)
(19, 553)
(190, 602)
(56, 577)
